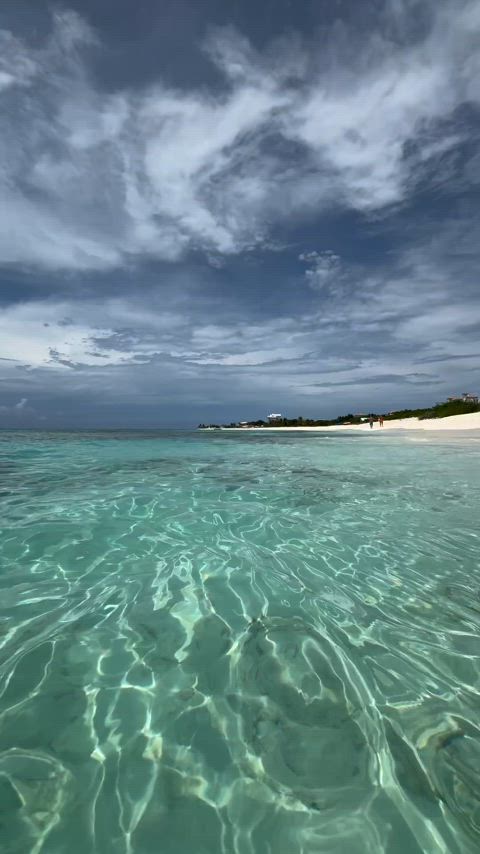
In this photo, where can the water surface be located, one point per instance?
(239, 643)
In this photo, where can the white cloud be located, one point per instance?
(92, 333)
(254, 357)
(399, 314)
(91, 180)
(43, 335)
(324, 268)
(18, 409)
(17, 68)
(148, 354)
(36, 334)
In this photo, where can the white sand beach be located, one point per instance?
(453, 422)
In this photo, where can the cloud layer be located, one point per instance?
(94, 180)
(400, 335)
(296, 232)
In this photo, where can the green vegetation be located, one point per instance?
(440, 410)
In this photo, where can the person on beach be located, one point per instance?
(380, 421)
(370, 421)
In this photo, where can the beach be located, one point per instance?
(453, 422)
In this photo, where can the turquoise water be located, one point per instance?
(246, 643)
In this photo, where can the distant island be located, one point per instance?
(464, 405)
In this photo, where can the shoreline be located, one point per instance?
(471, 421)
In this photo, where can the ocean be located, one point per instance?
(239, 643)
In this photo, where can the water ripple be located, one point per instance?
(239, 644)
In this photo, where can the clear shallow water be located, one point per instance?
(257, 644)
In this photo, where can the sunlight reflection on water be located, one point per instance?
(239, 643)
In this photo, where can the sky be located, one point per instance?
(216, 209)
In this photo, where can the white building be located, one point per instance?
(275, 416)
(466, 397)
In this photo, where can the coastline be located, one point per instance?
(471, 421)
